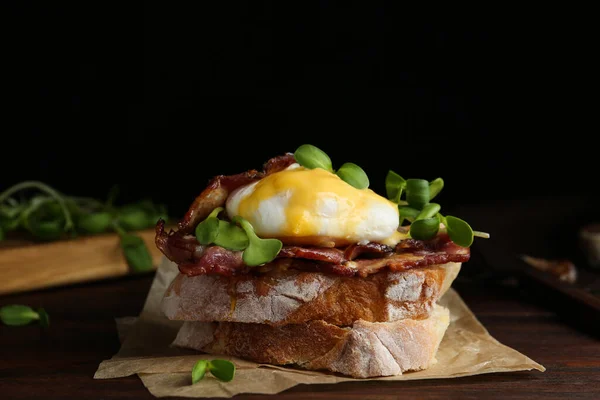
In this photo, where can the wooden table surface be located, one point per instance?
(59, 363)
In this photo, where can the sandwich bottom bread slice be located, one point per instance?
(362, 350)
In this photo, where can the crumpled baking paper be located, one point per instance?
(467, 349)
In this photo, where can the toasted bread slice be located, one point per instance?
(294, 297)
(367, 349)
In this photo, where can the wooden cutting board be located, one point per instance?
(26, 266)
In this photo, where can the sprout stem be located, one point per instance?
(44, 188)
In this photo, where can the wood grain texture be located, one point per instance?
(59, 363)
(29, 267)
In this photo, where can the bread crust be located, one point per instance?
(366, 349)
(295, 297)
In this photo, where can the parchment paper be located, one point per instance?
(467, 349)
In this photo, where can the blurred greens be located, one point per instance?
(40, 212)
(18, 315)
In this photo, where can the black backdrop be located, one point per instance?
(161, 98)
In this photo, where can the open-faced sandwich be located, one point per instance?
(301, 264)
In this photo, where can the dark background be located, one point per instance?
(161, 98)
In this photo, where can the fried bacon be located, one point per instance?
(194, 259)
(279, 163)
(405, 261)
(441, 242)
(326, 254)
(214, 196)
(218, 189)
(215, 260)
(176, 246)
(372, 248)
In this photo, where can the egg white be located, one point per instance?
(330, 214)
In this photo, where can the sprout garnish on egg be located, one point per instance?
(312, 157)
(353, 175)
(412, 197)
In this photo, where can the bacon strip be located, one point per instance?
(278, 163)
(327, 254)
(218, 189)
(216, 260)
(175, 246)
(355, 250)
(405, 261)
(412, 254)
(213, 196)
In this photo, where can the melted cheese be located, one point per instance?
(314, 203)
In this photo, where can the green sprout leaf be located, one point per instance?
(18, 315)
(133, 218)
(199, 370)
(10, 224)
(43, 218)
(408, 213)
(51, 215)
(435, 187)
(231, 236)
(259, 251)
(54, 194)
(10, 216)
(95, 222)
(459, 231)
(353, 175)
(44, 317)
(417, 192)
(425, 229)
(223, 370)
(47, 230)
(207, 230)
(135, 251)
(312, 157)
(430, 210)
(152, 212)
(424, 215)
(394, 185)
(10, 211)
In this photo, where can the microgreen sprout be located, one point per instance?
(312, 157)
(18, 315)
(207, 230)
(353, 175)
(394, 185)
(51, 215)
(237, 235)
(413, 197)
(223, 370)
(259, 251)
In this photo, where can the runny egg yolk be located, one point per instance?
(314, 206)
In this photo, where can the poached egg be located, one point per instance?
(315, 207)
